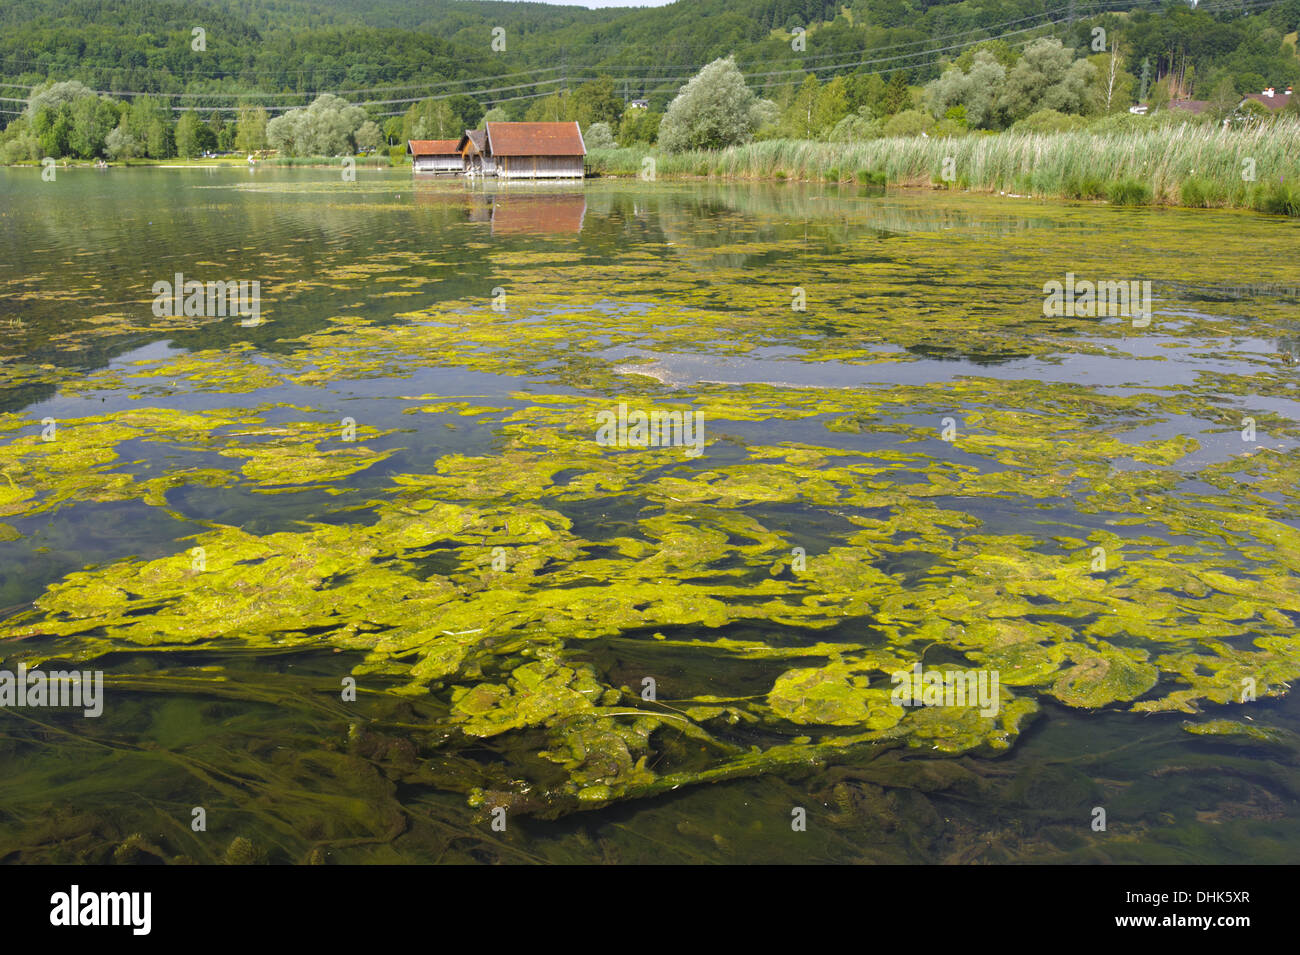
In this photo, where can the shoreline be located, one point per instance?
(1187, 166)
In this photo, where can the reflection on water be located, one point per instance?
(537, 214)
(510, 208)
(500, 586)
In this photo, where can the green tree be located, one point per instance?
(432, 119)
(207, 139)
(896, 95)
(866, 89)
(1224, 99)
(1049, 121)
(18, 143)
(369, 135)
(1000, 50)
(598, 136)
(53, 95)
(1047, 76)
(715, 109)
(596, 102)
(558, 107)
(52, 126)
(148, 123)
(977, 90)
(222, 132)
(1160, 94)
(639, 126)
(250, 129)
(909, 122)
(68, 119)
(328, 127)
(798, 118)
(120, 144)
(93, 118)
(469, 114)
(857, 127)
(832, 106)
(187, 135)
(1112, 85)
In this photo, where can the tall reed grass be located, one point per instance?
(1153, 165)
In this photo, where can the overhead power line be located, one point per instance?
(765, 80)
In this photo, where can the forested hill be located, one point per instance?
(264, 46)
(65, 35)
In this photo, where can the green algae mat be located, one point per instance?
(493, 543)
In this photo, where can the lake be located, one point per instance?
(608, 522)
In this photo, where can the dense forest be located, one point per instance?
(329, 45)
(177, 76)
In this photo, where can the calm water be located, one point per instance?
(363, 572)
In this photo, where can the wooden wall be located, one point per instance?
(437, 164)
(539, 167)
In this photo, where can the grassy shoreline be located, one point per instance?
(1191, 166)
(1178, 165)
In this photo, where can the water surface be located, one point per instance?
(395, 479)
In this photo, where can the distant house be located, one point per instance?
(1194, 106)
(638, 104)
(1138, 110)
(434, 155)
(1272, 99)
(524, 151)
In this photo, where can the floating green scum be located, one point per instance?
(492, 585)
(581, 624)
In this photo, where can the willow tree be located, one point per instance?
(976, 89)
(1047, 76)
(327, 127)
(714, 110)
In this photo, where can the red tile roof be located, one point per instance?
(1194, 106)
(431, 147)
(534, 139)
(1275, 102)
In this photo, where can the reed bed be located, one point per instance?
(1194, 165)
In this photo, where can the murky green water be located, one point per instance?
(397, 478)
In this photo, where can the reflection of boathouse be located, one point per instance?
(434, 155)
(519, 215)
(537, 210)
(524, 151)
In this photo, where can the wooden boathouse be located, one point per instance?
(524, 151)
(434, 155)
(475, 159)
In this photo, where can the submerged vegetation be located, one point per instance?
(500, 585)
(504, 651)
